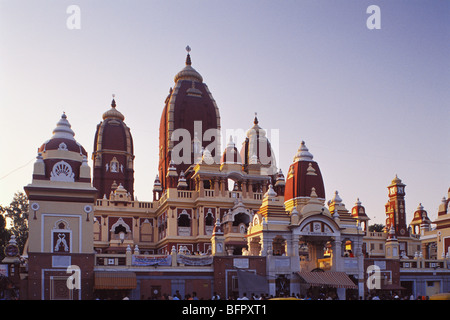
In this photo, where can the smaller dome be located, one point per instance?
(358, 211)
(256, 129)
(280, 179)
(63, 139)
(113, 113)
(336, 197)
(396, 180)
(303, 153)
(270, 192)
(63, 129)
(231, 154)
(188, 73)
(420, 215)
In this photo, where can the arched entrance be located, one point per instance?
(319, 234)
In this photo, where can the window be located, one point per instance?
(147, 231)
(209, 222)
(114, 165)
(61, 237)
(184, 219)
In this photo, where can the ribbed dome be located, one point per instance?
(188, 73)
(63, 138)
(63, 129)
(113, 113)
(304, 175)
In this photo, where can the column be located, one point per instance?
(336, 254)
(244, 188)
(250, 188)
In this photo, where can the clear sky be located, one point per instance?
(369, 103)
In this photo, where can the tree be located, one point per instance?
(17, 211)
(377, 227)
(4, 236)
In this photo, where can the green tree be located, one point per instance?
(17, 211)
(377, 227)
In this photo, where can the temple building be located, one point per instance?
(221, 219)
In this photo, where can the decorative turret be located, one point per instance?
(182, 184)
(231, 154)
(359, 213)
(420, 222)
(157, 189)
(280, 183)
(444, 207)
(113, 153)
(256, 152)
(395, 208)
(304, 174)
(189, 112)
(62, 158)
(218, 239)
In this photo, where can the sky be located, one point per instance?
(370, 103)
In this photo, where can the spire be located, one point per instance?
(303, 153)
(188, 73)
(63, 129)
(113, 113)
(188, 57)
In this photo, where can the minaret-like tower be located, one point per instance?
(113, 154)
(189, 122)
(303, 175)
(395, 208)
(61, 236)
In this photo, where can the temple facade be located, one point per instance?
(216, 214)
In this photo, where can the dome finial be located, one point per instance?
(113, 102)
(188, 58)
(256, 118)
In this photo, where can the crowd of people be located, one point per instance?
(308, 296)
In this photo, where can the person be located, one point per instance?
(194, 296)
(215, 296)
(244, 296)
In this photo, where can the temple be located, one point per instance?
(216, 213)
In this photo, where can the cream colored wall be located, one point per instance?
(49, 213)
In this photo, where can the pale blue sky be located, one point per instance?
(369, 103)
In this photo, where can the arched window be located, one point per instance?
(209, 219)
(241, 218)
(147, 231)
(184, 219)
(97, 229)
(114, 165)
(120, 228)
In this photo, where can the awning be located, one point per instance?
(328, 278)
(115, 280)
